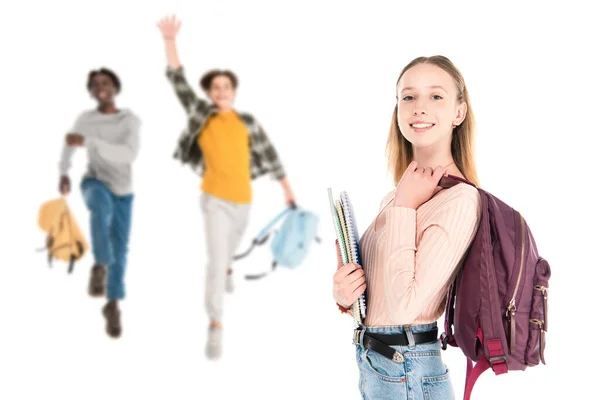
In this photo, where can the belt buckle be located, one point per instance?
(398, 357)
(356, 338)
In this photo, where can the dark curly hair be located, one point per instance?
(104, 71)
(207, 78)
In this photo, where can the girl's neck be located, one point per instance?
(431, 158)
(427, 158)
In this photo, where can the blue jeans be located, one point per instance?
(421, 376)
(110, 227)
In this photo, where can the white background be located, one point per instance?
(320, 76)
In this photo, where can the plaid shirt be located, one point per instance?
(264, 158)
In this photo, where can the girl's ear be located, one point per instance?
(461, 113)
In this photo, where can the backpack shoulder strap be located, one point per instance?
(447, 182)
(494, 356)
(447, 336)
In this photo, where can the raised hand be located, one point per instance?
(169, 27)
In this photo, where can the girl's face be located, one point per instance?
(222, 92)
(427, 106)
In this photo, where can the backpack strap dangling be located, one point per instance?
(262, 275)
(72, 263)
(497, 362)
(49, 244)
(80, 248)
(255, 242)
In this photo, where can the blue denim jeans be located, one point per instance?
(421, 376)
(110, 227)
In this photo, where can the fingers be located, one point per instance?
(170, 23)
(356, 278)
(342, 273)
(360, 290)
(348, 288)
(412, 166)
(438, 173)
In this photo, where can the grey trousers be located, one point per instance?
(225, 223)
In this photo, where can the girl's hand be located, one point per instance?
(417, 185)
(348, 282)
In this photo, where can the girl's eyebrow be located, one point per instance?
(429, 87)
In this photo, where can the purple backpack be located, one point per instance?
(497, 310)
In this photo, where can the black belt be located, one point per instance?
(381, 343)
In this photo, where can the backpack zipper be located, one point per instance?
(541, 338)
(544, 291)
(512, 307)
(541, 288)
(538, 322)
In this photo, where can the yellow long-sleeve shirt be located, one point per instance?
(225, 144)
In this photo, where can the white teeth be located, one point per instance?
(421, 126)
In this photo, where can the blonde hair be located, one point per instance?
(399, 150)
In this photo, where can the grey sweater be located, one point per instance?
(112, 142)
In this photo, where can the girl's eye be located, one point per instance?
(437, 97)
(407, 98)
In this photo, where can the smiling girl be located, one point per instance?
(415, 245)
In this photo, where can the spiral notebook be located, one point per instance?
(346, 229)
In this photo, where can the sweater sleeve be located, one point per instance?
(124, 152)
(413, 276)
(67, 151)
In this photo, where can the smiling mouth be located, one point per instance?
(421, 126)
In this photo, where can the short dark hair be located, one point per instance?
(104, 71)
(207, 78)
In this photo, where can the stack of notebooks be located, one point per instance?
(347, 234)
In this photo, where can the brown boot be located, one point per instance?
(97, 284)
(112, 314)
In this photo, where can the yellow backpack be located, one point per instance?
(64, 240)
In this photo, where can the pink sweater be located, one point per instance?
(410, 256)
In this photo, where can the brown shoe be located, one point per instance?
(113, 319)
(97, 281)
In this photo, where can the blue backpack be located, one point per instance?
(292, 241)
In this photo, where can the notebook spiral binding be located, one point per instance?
(348, 240)
(353, 248)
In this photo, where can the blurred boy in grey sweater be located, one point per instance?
(111, 137)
